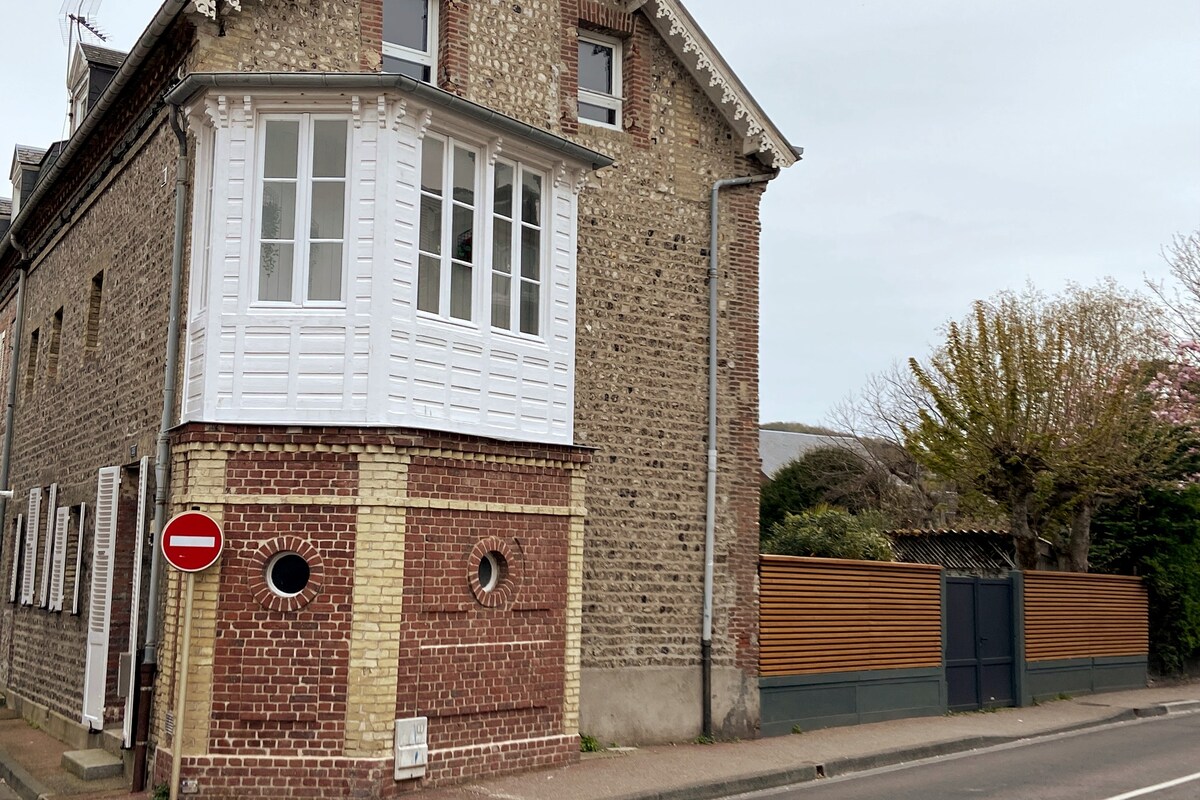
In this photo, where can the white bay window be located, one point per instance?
(302, 225)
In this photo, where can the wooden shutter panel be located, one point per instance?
(79, 557)
(48, 548)
(33, 521)
(16, 557)
(135, 602)
(62, 522)
(95, 671)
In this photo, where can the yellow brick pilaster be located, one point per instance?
(372, 682)
(574, 605)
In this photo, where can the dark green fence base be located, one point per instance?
(808, 702)
(1048, 680)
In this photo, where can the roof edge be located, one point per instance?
(197, 82)
(685, 36)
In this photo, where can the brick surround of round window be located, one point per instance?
(262, 558)
(504, 588)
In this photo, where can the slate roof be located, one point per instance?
(102, 55)
(5, 207)
(971, 552)
(780, 448)
(31, 156)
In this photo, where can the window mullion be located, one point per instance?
(447, 254)
(303, 209)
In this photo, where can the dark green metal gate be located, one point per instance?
(980, 643)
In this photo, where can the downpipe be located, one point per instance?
(710, 513)
(148, 668)
(10, 407)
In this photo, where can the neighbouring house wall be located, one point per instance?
(393, 523)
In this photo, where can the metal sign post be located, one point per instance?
(191, 542)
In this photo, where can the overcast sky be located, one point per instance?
(951, 150)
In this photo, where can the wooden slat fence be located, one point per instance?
(828, 615)
(1075, 615)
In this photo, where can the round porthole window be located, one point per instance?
(491, 570)
(288, 574)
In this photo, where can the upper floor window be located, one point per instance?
(79, 100)
(302, 233)
(409, 37)
(600, 80)
(474, 216)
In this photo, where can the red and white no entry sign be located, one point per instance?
(192, 541)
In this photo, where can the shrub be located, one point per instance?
(827, 532)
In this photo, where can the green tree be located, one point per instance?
(832, 475)
(1038, 405)
(1157, 535)
(828, 532)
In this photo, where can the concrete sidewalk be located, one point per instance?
(29, 757)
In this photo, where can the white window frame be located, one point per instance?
(304, 182)
(482, 249)
(481, 242)
(79, 102)
(515, 277)
(420, 57)
(615, 100)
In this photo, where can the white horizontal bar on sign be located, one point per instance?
(193, 541)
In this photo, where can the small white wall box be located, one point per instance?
(412, 747)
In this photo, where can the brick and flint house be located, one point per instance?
(413, 299)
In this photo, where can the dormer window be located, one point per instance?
(79, 104)
(599, 80)
(409, 38)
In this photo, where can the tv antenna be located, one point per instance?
(77, 21)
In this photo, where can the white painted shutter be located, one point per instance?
(33, 521)
(135, 603)
(16, 557)
(48, 554)
(62, 522)
(95, 670)
(79, 557)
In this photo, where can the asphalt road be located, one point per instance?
(1120, 762)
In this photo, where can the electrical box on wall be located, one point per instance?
(412, 747)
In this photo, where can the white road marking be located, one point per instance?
(193, 541)
(1157, 787)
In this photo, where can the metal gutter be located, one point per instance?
(374, 81)
(162, 20)
(710, 512)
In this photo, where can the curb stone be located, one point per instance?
(21, 781)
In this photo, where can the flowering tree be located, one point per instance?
(1176, 385)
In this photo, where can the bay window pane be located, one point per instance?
(529, 307)
(328, 210)
(502, 302)
(431, 225)
(531, 198)
(429, 284)
(432, 151)
(460, 291)
(283, 142)
(275, 272)
(462, 230)
(504, 191)
(279, 210)
(325, 271)
(501, 245)
(531, 253)
(329, 149)
(464, 176)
